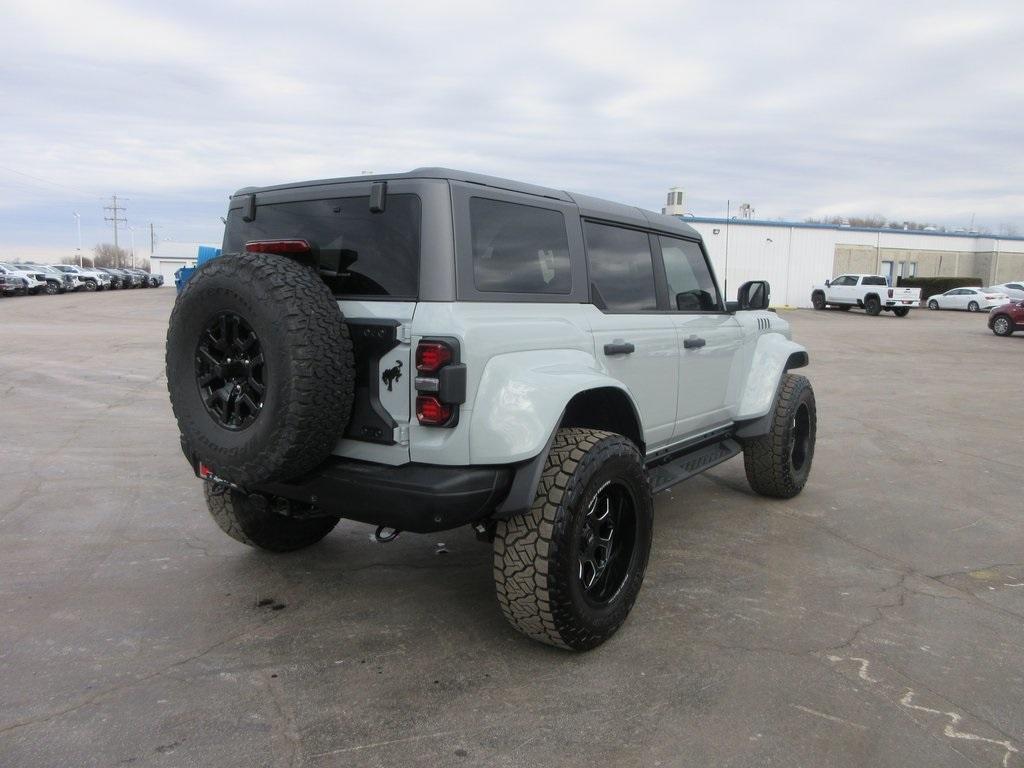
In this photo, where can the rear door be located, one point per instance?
(709, 338)
(637, 342)
(370, 260)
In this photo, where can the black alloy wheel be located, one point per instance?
(230, 371)
(607, 542)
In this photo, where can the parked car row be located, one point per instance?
(1005, 302)
(27, 278)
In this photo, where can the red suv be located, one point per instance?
(1006, 319)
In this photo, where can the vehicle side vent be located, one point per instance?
(764, 323)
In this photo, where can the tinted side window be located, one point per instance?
(690, 287)
(518, 248)
(875, 281)
(621, 268)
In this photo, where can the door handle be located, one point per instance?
(694, 342)
(619, 348)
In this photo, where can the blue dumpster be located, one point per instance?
(203, 255)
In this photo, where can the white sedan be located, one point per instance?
(971, 299)
(1014, 290)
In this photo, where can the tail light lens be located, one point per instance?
(440, 382)
(432, 412)
(890, 293)
(280, 247)
(432, 356)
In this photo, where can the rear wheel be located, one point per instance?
(973, 307)
(1002, 326)
(568, 571)
(262, 522)
(901, 311)
(872, 305)
(778, 463)
(818, 300)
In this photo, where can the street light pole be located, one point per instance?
(78, 224)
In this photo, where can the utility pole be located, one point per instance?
(152, 240)
(131, 231)
(114, 218)
(78, 223)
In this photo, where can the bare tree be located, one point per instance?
(73, 260)
(107, 255)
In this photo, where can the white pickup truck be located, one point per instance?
(872, 292)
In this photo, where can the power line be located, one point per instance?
(46, 181)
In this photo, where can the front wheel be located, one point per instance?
(52, 289)
(1002, 326)
(933, 304)
(89, 285)
(973, 307)
(568, 571)
(778, 463)
(901, 311)
(260, 522)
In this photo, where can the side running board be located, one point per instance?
(692, 463)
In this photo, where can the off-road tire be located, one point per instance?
(535, 566)
(769, 459)
(308, 371)
(901, 311)
(252, 521)
(818, 300)
(1002, 325)
(973, 307)
(872, 305)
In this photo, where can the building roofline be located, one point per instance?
(811, 225)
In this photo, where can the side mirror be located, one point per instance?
(754, 295)
(828, 283)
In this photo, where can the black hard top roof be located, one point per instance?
(589, 206)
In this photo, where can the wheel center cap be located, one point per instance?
(236, 369)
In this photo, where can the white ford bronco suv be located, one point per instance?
(433, 349)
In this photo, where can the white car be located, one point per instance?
(36, 280)
(474, 350)
(1014, 290)
(971, 299)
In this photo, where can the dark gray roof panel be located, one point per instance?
(589, 206)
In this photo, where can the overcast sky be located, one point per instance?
(910, 110)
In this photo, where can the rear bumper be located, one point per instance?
(412, 497)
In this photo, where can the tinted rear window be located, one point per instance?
(378, 253)
(518, 248)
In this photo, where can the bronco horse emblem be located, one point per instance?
(391, 375)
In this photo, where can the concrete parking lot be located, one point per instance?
(875, 620)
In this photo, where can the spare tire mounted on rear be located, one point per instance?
(259, 368)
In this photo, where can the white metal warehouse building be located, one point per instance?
(794, 256)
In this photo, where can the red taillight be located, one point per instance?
(205, 471)
(431, 356)
(280, 247)
(431, 411)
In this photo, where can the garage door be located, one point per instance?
(167, 268)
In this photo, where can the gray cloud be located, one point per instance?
(910, 109)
